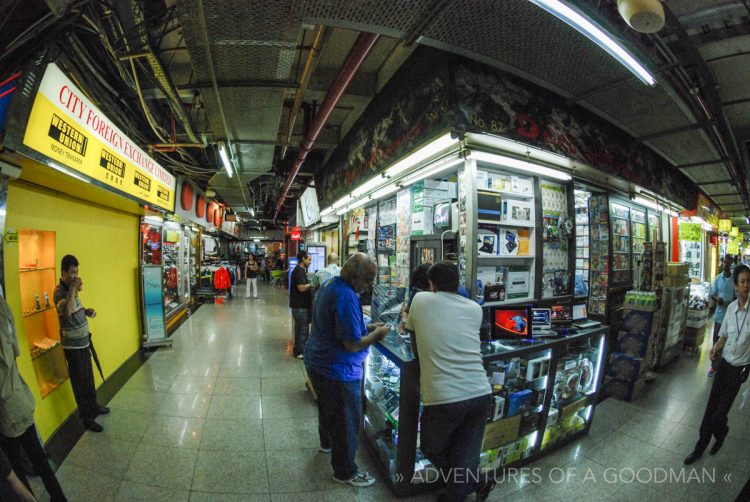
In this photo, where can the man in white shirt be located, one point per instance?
(333, 269)
(731, 354)
(455, 391)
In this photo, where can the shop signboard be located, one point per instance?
(193, 205)
(690, 232)
(725, 225)
(308, 204)
(65, 127)
(153, 305)
(734, 232)
(733, 246)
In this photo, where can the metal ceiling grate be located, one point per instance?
(686, 147)
(526, 37)
(648, 110)
(701, 174)
(401, 16)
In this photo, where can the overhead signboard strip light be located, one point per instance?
(576, 20)
(225, 158)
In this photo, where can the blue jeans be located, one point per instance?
(339, 407)
(451, 437)
(301, 318)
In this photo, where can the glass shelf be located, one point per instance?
(36, 312)
(27, 270)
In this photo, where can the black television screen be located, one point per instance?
(511, 322)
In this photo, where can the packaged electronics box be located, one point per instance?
(501, 432)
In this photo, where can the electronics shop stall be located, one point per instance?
(508, 225)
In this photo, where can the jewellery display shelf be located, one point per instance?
(547, 399)
(38, 279)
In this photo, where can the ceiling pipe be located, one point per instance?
(362, 47)
(315, 49)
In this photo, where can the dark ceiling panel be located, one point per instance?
(398, 16)
(647, 110)
(523, 36)
(701, 174)
(685, 148)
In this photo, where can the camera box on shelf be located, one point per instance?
(522, 186)
(518, 283)
(519, 402)
(501, 432)
(487, 240)
(517, 211)
(509, 242)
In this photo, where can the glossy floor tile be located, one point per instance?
(224, 416)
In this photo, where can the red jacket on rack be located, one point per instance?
(222, 279)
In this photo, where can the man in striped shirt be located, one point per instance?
(74, 330)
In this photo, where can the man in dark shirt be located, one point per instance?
(300, 301)
(333, 358)
(74, 328)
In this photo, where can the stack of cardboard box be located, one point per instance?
(424, 195)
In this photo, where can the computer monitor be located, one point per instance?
(579, 312)
(511, 322)
(561, 314)
(541, 319)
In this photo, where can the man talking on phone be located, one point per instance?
(74, 330)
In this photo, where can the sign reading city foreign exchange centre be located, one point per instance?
(66, 127)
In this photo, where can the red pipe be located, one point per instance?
(362, 47)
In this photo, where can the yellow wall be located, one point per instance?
(105, 241)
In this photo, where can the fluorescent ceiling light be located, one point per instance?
(430, 171)
(368, 186)
(520, 165)
(154, 219)
(67, 171)
(342, 211)
(424, 153)
(386, 190)
(225, 158)
(596, 35)
(646, 202)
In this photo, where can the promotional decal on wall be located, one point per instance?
(193, 205)
(64, 126)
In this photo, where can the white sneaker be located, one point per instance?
(300, 356)
(360, 480)
(324, 450)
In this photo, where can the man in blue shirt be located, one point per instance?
(334, 354)
(723, 293)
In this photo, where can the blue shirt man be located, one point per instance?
(334, 354)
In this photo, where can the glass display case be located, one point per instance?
(174, 267)
(700, 294)
(621, 264)
(654, 229)
(599, 254)
(582, 241)
(38, 279)
(638, 227)
(544, 395)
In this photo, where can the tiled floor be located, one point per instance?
(224, 416)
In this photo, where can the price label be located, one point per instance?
(690, 232)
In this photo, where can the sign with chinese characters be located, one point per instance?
(64, 126)
(690, 232)
(725, 225)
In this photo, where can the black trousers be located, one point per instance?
(29, 442)
(726, 385)
(82, 379)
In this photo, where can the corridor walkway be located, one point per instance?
(224, 416)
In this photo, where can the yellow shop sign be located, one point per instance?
(67, 128)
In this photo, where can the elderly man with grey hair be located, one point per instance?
(334, 354)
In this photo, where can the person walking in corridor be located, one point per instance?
(723, 293)
(17, 426)
(300, 301)
(731, 355)
(76, 342)
(333, 358)
(251, 277)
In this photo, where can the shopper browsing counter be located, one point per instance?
(333, 358)
(453, 382)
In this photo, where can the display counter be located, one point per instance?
(526, 422)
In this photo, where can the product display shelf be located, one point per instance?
(506, 193)
(507, 223)
(544, 399)
(41, 325)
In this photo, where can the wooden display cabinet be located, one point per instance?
(38, 278)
